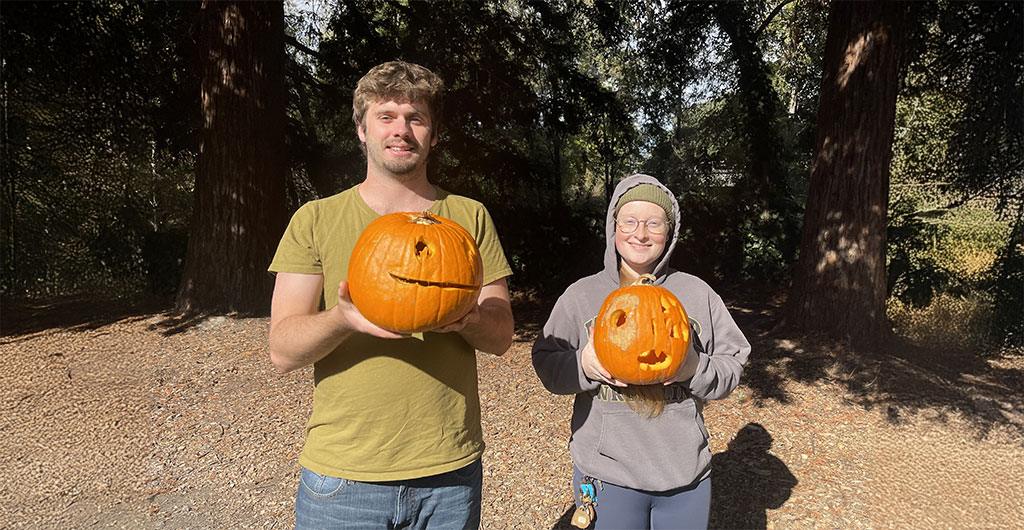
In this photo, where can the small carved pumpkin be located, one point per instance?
(412, 272)
(642, 333)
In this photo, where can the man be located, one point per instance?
(394, 440)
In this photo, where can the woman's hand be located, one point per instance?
(592, 366)
(687, 369)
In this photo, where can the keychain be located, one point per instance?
(585, 512)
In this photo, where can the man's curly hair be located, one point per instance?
(402, 82)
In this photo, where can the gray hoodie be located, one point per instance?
(609, 441)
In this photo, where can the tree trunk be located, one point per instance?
(239, 198)
(839, 286)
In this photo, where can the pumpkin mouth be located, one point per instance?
(653, 360)
(427, 283)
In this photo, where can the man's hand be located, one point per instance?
(300, 334)
(489, 325)
(352, 319)
(468, 319)
(592, 366)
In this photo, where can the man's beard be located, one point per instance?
(401, 170)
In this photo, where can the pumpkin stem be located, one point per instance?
(425, 219)
(644, 279)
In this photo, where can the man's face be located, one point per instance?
(398, 137)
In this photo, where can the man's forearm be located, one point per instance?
(301, 340)
(492, 333)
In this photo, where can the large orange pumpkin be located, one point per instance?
(642, 333)
(412, 272)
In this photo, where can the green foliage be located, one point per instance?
(957, 173)
(553, 248)
(924, 134)
(550, 104)
(531, 114)
(737, 155)
(956, 248)
(1007, 289)
(951, 265)
(989, 139)
(95, 150)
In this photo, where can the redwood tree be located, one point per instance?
(839, 285)
(239, 198)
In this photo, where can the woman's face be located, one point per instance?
(641, 249)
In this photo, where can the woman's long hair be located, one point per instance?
(646, 400)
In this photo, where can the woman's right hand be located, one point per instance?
(592, 366)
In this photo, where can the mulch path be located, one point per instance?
(119, 415)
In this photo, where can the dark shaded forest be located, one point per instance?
(862, 160)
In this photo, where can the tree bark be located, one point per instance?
(839, 285)
(239, 197)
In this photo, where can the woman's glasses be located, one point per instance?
(628, 225)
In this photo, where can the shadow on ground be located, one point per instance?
(20, 318)
(565, 521)
(900, 379)
(25, 317)
(747, 481)
(174, 323)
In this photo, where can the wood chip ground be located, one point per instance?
(136, 419)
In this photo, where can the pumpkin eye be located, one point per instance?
(619, 318)
(423, 249)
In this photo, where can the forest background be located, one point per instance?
(861, 160)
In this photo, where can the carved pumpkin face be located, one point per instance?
(412, 272)
(642, 333)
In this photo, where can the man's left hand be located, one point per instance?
(469, 318)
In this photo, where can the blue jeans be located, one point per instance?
(449, 501)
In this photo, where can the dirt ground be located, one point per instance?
(119, 415)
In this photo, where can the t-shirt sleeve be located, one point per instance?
(496, 265)
(297, 251)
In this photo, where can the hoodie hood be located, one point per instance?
(611, 256)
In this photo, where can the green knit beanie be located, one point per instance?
(649, 193)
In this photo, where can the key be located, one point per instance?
(581, 517)
(584, 513)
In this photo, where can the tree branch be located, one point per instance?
(289, 39)
(757, 34)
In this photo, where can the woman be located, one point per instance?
(644, 455)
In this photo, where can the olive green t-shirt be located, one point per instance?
(387, 409)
